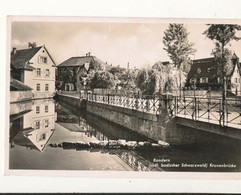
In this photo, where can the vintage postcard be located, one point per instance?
(123, 96)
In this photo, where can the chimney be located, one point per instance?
(128, 65)
(14, 51)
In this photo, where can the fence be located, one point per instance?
(208, 109)
(211, 110)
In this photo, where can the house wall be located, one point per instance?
(32, 79)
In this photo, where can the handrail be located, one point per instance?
(208, 109)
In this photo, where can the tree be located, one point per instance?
(222, 34)
(160, 79)
(142, 79)
(177, 45)
(178, 48)
(102, 79)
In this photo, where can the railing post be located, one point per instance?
(226, 110)
(195, 108)
(208, 108)
(176, 105)
(136, 102)
(222, 117)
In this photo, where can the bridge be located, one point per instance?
(213, 115)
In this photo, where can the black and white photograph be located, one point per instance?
(126, 95)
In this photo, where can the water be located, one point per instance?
(34, 125)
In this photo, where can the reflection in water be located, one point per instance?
(35, 128)
(37, 125)
(75, 123)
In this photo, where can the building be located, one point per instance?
(19, 91)
(205, 74)
(36, 68)
(73, 72)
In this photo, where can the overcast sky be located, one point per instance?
(116, 43)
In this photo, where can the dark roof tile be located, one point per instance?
(20, 59)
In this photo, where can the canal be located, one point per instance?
(37, 125)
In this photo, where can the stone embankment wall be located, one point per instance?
(159, 126)
(73, 101)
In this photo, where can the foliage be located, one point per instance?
(116, 70)
(222, 34)
(160, 79)
(142, 79)
(177, 45)
(95, 66)
(102, 79)
(225, 65)
(127, 79)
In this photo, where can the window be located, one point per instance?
(218, 79)
(46, 108)
(236, 80)
(37, 109)
(38, 71)
(42, 60)
(46, 123)
(46, 87)
(41, 137)
(38, 87)
(37, 124)
(47, 73)
(192, 81)
(204, 80)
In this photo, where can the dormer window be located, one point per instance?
(42, 59)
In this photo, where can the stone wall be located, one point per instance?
(155, 126)
(73, 101)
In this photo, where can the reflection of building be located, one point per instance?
(34, 67)
(18, 109)
(35, 128)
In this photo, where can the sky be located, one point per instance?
(140, 44)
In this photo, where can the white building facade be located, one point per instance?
(37, 70)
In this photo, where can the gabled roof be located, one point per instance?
(80, 61)
(207, 67)
(203, 68)
(20, 60)
(76, 61)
